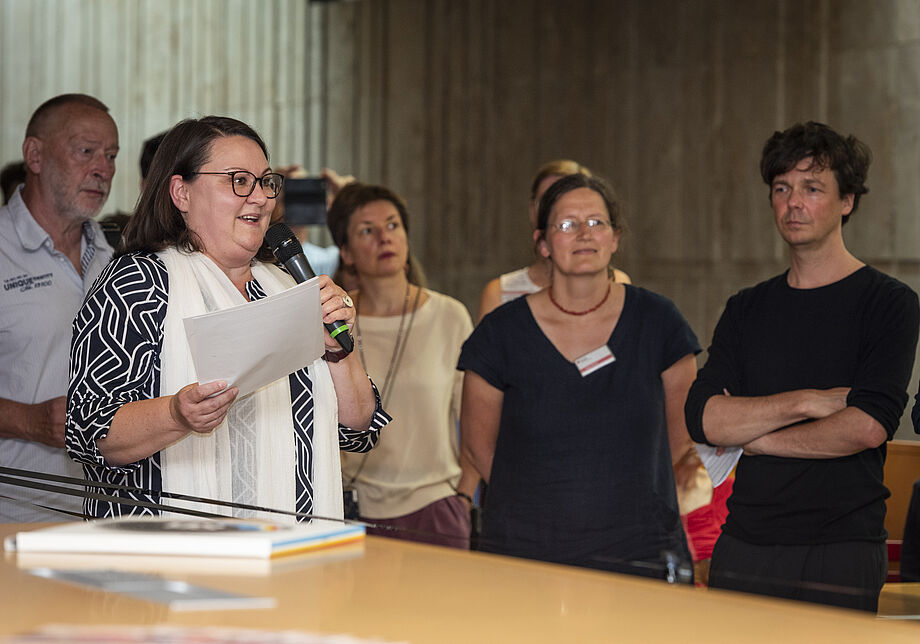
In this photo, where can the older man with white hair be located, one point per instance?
(51, 251)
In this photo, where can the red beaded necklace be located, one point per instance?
(585, 312)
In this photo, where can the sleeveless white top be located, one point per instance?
(515, 284)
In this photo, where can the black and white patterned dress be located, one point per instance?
(115, 359)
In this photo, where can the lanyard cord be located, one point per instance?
(399, 349)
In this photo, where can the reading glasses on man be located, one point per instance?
(571, 226)
(244, 182)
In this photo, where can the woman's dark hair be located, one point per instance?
(848, 158)
(157, 224)
(357, 195)
(572, 182)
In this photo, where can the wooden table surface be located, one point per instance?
(409, 592)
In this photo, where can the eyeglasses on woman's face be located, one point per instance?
(572, 226)
(244, 182)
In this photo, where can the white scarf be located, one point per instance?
(250, 457)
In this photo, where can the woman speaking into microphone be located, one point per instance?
(135, 415)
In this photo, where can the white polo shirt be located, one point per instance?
(40, 293)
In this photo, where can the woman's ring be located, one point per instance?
(347, 300)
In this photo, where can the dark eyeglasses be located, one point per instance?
(244, 182)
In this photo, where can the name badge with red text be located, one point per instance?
(594, 360)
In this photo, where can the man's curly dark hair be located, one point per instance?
(847, 157)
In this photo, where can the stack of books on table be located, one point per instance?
(186, 537)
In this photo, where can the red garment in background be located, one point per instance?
(704, 525)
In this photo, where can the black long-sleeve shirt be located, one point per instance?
(859, 332)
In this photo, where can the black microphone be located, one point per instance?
(289, 252)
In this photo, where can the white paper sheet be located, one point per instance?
(256, 343)
(718, 466)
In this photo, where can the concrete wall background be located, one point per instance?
(455, 104)
(672, 101)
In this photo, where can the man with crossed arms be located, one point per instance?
(808, 372)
